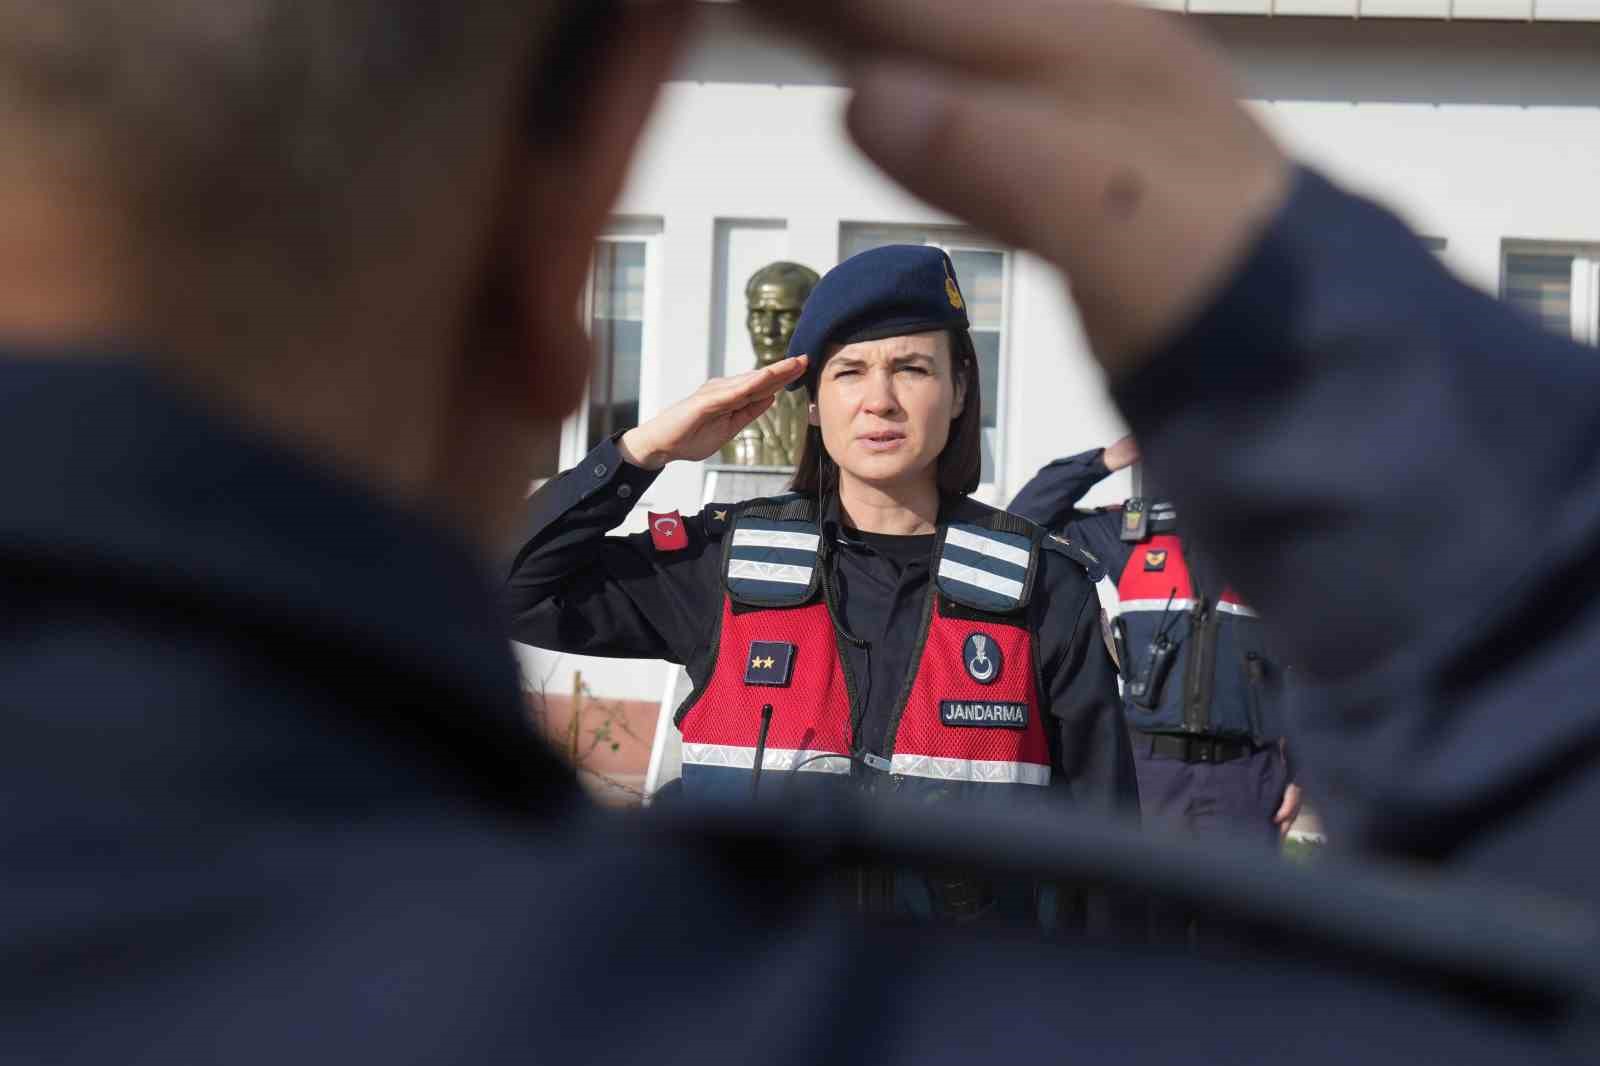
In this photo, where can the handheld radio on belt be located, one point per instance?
(1146, 690)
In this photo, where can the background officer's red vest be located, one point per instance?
(970, 719)
(1196, 660)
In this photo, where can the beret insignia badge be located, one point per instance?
(951, 291)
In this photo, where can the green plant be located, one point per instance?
(1302, 849)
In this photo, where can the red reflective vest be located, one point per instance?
(970, 716)
(1196, 664)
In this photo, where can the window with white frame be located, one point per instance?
(1558, 284)
(616, 334)
(983, 269)
(620, 310)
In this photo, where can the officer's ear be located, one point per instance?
(588, 102)
(811, 414)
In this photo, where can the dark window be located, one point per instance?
(616, 332)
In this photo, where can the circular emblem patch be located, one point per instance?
(982, 658)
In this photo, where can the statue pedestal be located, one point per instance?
(725, 483)
(728, 483)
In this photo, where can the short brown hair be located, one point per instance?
(961, 461)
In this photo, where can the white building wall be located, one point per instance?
(1472, 175)
(1476, 134)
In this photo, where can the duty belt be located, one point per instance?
(1193, 749)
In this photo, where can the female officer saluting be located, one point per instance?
(876, 628)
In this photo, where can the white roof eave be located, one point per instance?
(1462, 10)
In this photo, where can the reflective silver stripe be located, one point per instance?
(788, 575)
(984, 770)
(735, 757)
(1130, 606)
(775, 538)
(994, 549)
(967, 575)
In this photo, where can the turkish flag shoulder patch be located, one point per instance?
(667, 532)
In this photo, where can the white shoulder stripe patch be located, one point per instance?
(994, 549)
(780, 572)
(775, 538)
(967, 575)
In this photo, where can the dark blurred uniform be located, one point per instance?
(1404, 476)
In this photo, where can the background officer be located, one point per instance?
(877, 627)
(1202, 693)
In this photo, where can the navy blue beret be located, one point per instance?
(882, 292)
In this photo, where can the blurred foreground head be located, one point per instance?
(362, 225)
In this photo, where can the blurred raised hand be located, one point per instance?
(1103, 136)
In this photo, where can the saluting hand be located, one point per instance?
(697, 426)
(1124, 453)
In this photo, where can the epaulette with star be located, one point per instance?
(715, 518)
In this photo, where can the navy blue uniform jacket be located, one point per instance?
(1051, 497)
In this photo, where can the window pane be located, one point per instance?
(858, 239)
(616, 332)
(987, 343)
(1540, 283)
(983, 279)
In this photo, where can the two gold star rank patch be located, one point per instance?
(770, 663)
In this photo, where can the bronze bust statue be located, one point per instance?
(774, 296)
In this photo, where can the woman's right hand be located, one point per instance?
(697, 426)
